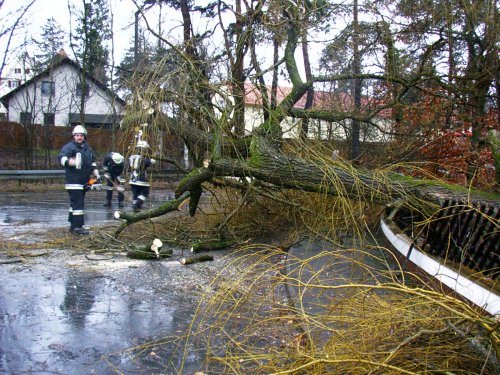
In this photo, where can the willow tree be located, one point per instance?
(200, 100)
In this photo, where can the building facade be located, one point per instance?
(54, 97)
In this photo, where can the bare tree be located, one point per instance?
(12, 21)
(260, 153)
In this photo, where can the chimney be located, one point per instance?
(62, 53)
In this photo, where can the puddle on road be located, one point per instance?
(67, 314)
(66, 320)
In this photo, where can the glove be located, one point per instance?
(107, 176)
(120, 179)
(96, 174)
(71, 162)
(153, 161)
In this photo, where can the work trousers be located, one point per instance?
(140, 194)
(76, 209)
(109, 193)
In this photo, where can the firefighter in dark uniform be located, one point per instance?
(112, 165)
(78, 160)
(139, 182)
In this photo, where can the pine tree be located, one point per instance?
(52, 39)
(92, 33)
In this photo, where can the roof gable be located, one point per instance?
(58, 63)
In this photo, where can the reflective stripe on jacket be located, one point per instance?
(138, 167)
(77, 178)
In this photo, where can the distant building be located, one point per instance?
(53, 97)
(14, 78)
(318, 129)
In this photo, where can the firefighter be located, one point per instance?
(113, 164)
(78, 160)
(139, 182)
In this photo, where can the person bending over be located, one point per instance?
(112, 165)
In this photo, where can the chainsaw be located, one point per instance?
(93, 183)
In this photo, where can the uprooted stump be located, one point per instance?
(196, 259)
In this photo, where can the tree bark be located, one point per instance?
(214, 244)
(134, 217)
(340, 179)
(196, 259)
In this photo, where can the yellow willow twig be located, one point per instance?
(346, 360)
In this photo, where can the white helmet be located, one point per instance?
(142, 144)
(117, 158)
(79, 129)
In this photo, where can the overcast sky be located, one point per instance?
(123, 20)
(123, 24)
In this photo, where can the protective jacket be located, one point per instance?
(138, 166)
(109, 166)
(77, 176)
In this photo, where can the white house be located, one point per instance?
(14, 77)
(318, 129)
(53, 97)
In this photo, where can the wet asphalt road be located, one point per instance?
(81, 314)
(77, 314)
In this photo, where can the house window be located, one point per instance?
(27, 70)
(49, 118)
(79, 90)
(17, 70)
(14, 83)
(25, 118)
(48, 88)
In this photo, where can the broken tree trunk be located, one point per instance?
(147, 254)
(334, 178)
(151, 251)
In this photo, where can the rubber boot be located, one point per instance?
(78, 221)
(70, 220)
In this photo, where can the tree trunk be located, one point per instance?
(214, 244)
(197, 259)
(331, 178)
(356, 70)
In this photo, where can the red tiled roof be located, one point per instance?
(322, 100)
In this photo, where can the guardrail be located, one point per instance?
(39, 174)
(31, 174)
